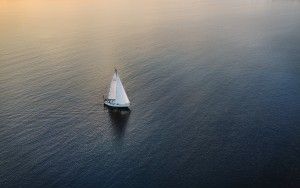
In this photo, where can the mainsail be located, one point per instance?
(117, 91)
(112, 89)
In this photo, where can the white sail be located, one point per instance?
(113, 87)
(117, 96)
(121, 96)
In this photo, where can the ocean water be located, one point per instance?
(214, 87)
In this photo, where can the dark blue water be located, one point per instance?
(214, 87)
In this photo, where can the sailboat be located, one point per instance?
(117, 97)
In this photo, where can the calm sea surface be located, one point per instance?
(214, 87)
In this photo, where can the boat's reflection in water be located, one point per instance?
(119, 119)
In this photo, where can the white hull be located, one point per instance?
(111, 104)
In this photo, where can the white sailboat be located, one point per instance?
(117, 96)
